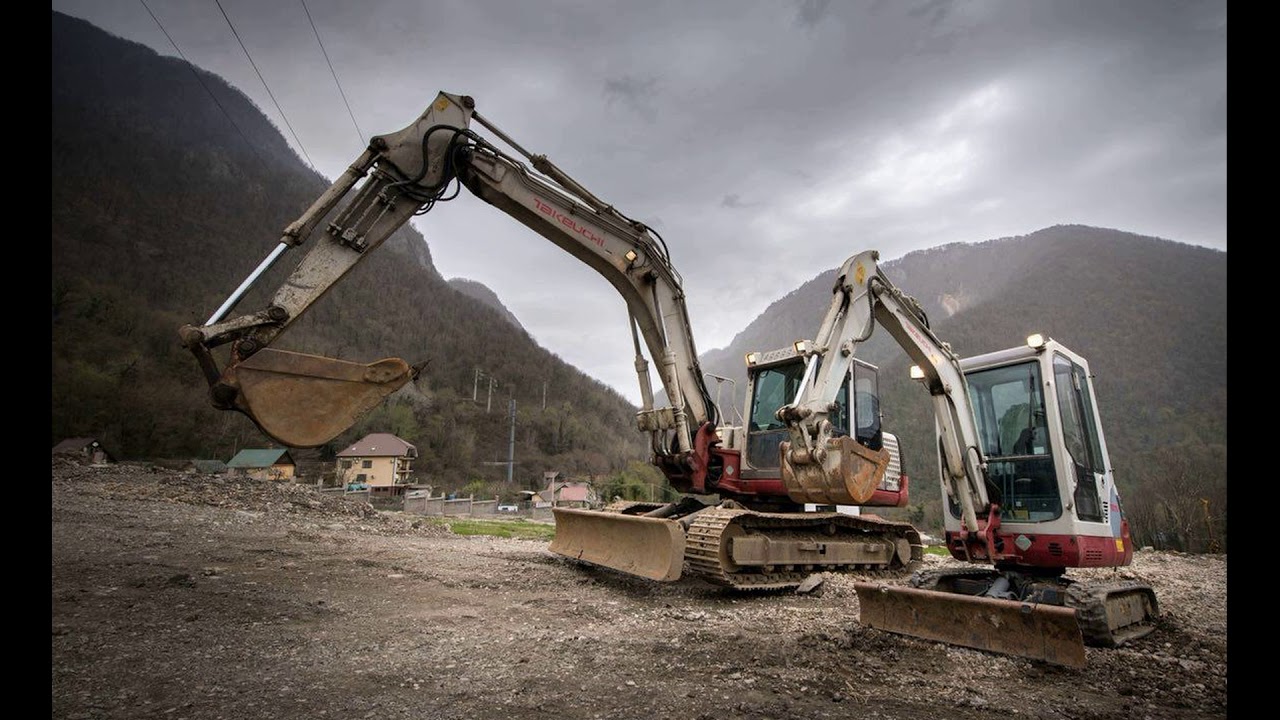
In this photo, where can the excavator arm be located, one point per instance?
(862, 297)
(306, 400)
(626, 254)
(966, 470)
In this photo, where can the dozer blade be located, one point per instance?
(306, 400)
(1043, 632)
(649, 547)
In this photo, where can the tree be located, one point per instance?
(1179, 501)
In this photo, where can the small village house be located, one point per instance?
(263, 464)
(564, 492)
(377, 460)
(84, 449)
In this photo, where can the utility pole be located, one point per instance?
(544, 394)
(488, 405)
(511, 446)
(475, 386)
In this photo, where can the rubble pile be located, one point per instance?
(281, 499)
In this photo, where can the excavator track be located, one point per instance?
(709, 552)
(1113, 613)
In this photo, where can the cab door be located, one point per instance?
(1086, 462)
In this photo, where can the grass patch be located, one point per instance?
(517, 528)
(937, 550)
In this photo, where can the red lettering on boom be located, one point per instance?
(568, 222)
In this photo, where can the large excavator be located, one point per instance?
(812, 432)
(305, 400)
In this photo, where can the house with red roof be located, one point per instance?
(565, 492)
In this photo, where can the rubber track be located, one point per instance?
(706, 533)
(1090, 602)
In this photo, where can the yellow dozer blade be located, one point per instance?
(644, 546)
(1043, 632)
(305, 400)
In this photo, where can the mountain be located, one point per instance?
(482, 293)
(1149, 314)
(957, 276)
(165, 198)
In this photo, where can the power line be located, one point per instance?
(265, 85)
(204, 85)
(359, 134)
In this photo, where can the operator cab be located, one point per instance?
(1042, 439)
(773, 380)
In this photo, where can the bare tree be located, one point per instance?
(1180, 502)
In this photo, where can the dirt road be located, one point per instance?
(175, 597)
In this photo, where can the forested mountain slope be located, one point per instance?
(161, 206)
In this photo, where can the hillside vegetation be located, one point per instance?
(161, 205)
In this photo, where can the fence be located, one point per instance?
(426, 505)
(356, 495)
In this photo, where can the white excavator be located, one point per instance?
(812, 433)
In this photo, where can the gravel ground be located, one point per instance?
(176, 596)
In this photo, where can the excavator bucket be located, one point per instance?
(1043, 632)
(304, 400)
(847, 476)
(644, 546)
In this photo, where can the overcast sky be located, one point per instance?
(766, 141)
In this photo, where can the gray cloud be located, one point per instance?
(773, 139)
(635, 94)
(629, 89)
(734, 201)
(810, 12)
